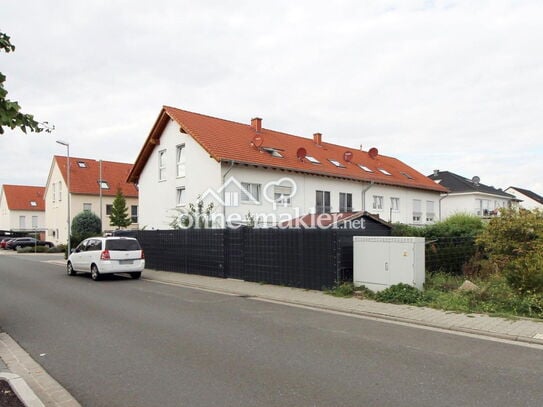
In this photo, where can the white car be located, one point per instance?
(107, 255)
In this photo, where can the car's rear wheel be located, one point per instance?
(135, 275)
(70, 270)
(95, 274)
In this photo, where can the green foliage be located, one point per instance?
(32, 249)
(195, 217)
(525, 273)
(400, 294)
(119, 212)
(85, 224)
(459, 225)
(10, 115)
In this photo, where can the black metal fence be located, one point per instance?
(449, 254)
(306, 258)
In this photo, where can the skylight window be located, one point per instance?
(82, 164)
(33, 203)
(363, 167)
(384, 171)
(312, 159)
(272, 151)
(337, 163)
(104, 184)
(406, 175)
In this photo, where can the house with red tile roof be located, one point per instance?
(22, 208)
(93, 186)
(247, 170)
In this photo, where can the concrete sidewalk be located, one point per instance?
(521, 329)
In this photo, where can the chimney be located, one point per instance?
(256, 123)
(436, 173)
(317, 138)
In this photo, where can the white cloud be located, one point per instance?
(453, 85)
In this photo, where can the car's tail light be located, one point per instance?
(142, 255)
(105, 255)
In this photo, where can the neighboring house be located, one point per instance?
(93, 185)
(470, 196)
(247, 170)
(529, 200)
(22, 208)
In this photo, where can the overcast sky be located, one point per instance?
(450, 85)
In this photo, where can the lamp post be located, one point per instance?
(67, 145)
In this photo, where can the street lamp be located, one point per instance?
(67, 145)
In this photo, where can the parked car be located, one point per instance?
(4, 241)
(107, 255)
(20, 242)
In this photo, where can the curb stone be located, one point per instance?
(21, 389)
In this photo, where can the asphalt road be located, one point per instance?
(123, 342)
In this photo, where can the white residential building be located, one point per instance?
(22, 208)
(528, 199)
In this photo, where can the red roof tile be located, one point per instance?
(231, 141)
(84, 179)
(24, 198)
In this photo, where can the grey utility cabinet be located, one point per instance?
(379, 262)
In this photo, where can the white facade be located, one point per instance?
(527, 202)
(19, 220)
(56, 207)
(170, 180)
(472, 203)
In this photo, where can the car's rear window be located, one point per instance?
(122, 245)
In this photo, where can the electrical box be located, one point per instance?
(379, 262)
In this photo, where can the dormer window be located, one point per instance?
(82, 164)
(363, 167)
(104, 184)
(337, 163)
(312, 159)
(406, 175)
(33, 203)
(384, 171)
(272, 151)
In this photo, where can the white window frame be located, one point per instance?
(34, 222)
(54, 191)
(60, 191)
(181, 196)
(162, 165)
(378, 202)
(87, 207)
(395, 204)
(254, 193)
(22, 222)
(181, 159)
(282, 195)
(417, 210)
(345, 207)
(430, 211)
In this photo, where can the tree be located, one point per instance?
(196, 216)
(85, 224)
(119, 213)
(10, 114)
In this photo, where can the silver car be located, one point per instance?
(107, 255)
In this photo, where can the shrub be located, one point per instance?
(400, 294)
(32, 249)
(85, 224)
(525, 273)
(459, 225)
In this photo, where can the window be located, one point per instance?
(104, 184)
(430, 213)
(345, 202)
(337, 163)
(377, 202)
(59, 191)
(384, 171)
(162, 165)
(363, 167)
(22, 222)
(180, 160)
(323, 202)
(181, 196)
(54, 191)
(282, 195)
(82, 164)
(406, 175)
(109, 209)
(417, 210)
(272, 151)
(395, 204)
(33, 203)
(483, 207)
(251, 193)
(312, 159)
(87, 207)
(34, 222)
(134, 213)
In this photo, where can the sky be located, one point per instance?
(449, 85)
